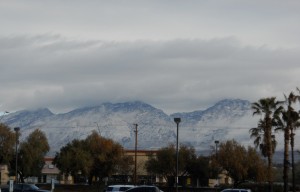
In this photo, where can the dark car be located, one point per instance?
(24, 187)
(144, 189)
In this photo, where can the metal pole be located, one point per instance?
(217, 176)
(135, 155)
(17, 129)
(293, 164)
(177, 121)
(217, 142)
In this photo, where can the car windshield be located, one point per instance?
(25, 187)
(124, 188)
(30, 187)
(118, 188)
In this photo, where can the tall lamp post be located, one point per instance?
(177, 121)
(17, 129)
(216, 142)
(135, 155)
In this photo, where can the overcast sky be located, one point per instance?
(178, 56)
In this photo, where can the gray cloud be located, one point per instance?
(178, 56)
(178, 75)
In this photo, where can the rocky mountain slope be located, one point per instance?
(227, 119)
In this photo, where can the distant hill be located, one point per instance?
(227, 119)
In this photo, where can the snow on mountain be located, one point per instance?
(227, 119)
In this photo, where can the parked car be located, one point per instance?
(118, 188)
(145, 188)
(236, 190)
(24, 187)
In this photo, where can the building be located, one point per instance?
(4, 174)
(49, 171)
(142, 156)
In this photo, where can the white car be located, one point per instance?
(118, 188)
(144, 188)
(236, 190)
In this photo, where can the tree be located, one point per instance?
(271, 109)
(7, 143)
(199, 169)
(297, 171)
(96, 157)
(32, 152)
(64, 160)
(257, 168)
(164, 163)
(240, 163)
(125, 166)
(288, 124)
(106, 155)
(295, 124)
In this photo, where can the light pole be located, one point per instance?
(217, 177)
(135, 154)
(177, 121)
(17, 129)
(216, 142)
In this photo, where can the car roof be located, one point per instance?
(120, 185)
(234, 190)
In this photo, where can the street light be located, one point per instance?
(177, 121)
(17, 129)
(135, 154)
(216, 142)
(217, 178)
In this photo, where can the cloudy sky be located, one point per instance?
(175, 55)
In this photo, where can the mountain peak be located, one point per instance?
(24, 118)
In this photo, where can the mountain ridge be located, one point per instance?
(227, 119)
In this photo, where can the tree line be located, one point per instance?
(97, 157)
(238, 162)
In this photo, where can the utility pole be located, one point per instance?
(135, 155)
(177, 121)
(17, 129)
(217, 142)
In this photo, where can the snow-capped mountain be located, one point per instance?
(227, 119)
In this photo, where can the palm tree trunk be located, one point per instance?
(286, 159)
(293, 165)
(270, 153)
(270, 175)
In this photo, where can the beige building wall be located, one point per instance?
(4, 174)
(142, 158)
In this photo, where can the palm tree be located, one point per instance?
(270, 110)
(288, 123)
(295, 125)
(295, 117)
